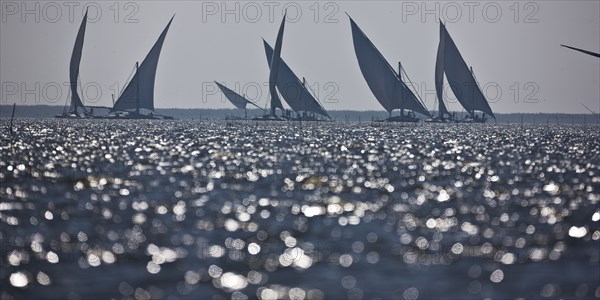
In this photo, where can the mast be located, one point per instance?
(473, 110)
(139, 92)
(304, 86)
(439, 73)
(401, 95)
(274, 68)
(74, 67)
(137, 87)
(12, 117)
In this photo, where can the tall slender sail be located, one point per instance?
(461, 79)
(294, 92)
(236, 99)
(139, 92)
(384, 82)
(274, 61)
(74, 67)
(439, 75)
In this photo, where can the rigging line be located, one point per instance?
(478, 86)
(255, 105)
(127, 81)
(475, 77)
(320, 104)
(80, 86)
(307, 87)
(593, 112)
(269, 101)
(265, 106)
(67, 102)
(415, 90)
(280, 96)
(443, 89)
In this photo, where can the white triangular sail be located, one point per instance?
(236, 99)
(74, 67)
(461, 80)
(139, 92)
(274, 61)
(439, 75)
(382, 79)
(293, 91)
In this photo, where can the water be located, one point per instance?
(192, 209)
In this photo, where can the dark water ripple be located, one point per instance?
(192, 209)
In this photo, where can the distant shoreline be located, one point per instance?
(48, 111)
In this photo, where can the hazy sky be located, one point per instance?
(513, 48)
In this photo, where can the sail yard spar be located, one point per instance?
(583, 51)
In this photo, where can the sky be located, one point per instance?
(513, 47)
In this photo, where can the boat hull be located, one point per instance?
(452, 120)
(269, 118)
(401, 119)
(72, 116)
(138, 118)
(120, 115)
(310, 119)
(439, 120)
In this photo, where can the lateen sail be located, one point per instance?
(274, 61)
(461, 79)
(292, 89)
(236, 99)
(382, 79)
(74, 66)
(439, 75)
(139, 93)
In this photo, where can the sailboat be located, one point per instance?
(462, 82)
(385, 84)
(236, 99)
(137, 99)
(295, 92)
(274, 63)
(76, 102)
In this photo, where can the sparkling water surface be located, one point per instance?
(243, 210)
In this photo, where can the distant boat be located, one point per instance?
(385, 84)
(461, 79)
(583, 51)
(137, 99)
(236, 99)
(274, 61)
(76, 102)
(295, 92)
